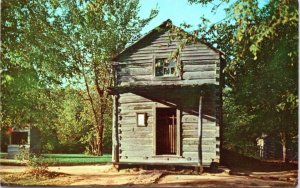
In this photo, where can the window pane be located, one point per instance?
(159, 71)
(173, 63)
(166, 71)
(172, 70)
(159, 67)
(166, 63)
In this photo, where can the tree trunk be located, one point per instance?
(99, 135)
(100, 145)
(284, 147)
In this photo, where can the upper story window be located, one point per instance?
(165, 67)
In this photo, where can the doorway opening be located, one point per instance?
(166, 131)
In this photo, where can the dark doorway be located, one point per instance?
(19, 138)
(166, 131)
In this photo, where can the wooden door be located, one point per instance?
(166, 131)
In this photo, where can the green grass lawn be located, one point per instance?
(64, 159)
(3, 155)
(76, 158)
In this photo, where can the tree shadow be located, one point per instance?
(239, 163)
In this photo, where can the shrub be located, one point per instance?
(36, 163)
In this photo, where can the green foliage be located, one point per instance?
(73, 121)
(94, 32)
(260, 41)
(23, 154)
(238, 122)
(72, 125)
(36, 164)
(50, 44)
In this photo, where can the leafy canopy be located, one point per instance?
(260, 40)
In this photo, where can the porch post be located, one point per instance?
(115, 151)
(115, 137)
(200, 135)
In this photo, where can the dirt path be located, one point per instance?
(210, 180)
(107, 175)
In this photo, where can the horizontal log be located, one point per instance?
(206, 160)
(154, 49)
(133, 78)
(192, 141)
(192, 126)
(132, 58)
(137, 153)
(195, 141)
(137, 62)
(198, 51)
(209, 134)
(200, 62)
(132, 113)
(200, 57)
(146, 141)
(133, 64)
(194, 148)
(189, 118)
(200, 81)
(190, 154)
(132, 107)
(153, 160)
(171, 82)
(165, 40)
(129, 105)
(195, 47)
(134, 126)
(198, 68)
(136, 135)
(135, 148)
(144, 131)
(147, 70)
(133, 99)
(192, 133)
(205, 134)
(199, 75)
(190, 148)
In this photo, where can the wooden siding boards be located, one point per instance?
(200, 66)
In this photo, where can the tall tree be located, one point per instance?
(28, 67)
(260, 41)
(95, 31)
(66, 41)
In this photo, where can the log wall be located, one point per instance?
(199, 65)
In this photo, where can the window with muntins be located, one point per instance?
(165, 67)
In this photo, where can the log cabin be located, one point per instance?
(167, 111)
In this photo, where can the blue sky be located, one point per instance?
(178, 11)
